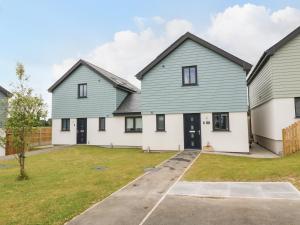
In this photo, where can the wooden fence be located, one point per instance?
(291, 139)
(39, 136)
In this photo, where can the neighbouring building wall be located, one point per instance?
(234, 140)
(3, 105)
(120, 96)
(113, 135)
(221, 83)
(2, 149)
(100, 101)
(269, 119)
(171, 139)
(279, 78)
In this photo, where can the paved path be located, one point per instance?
(188, 210)
(262, 190)
(131, 204)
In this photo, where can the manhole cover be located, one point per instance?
(100, 168)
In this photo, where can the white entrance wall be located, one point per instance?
(171, 139)
(268, 120)
(234, 140)
(113, 135)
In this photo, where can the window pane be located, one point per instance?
(221, 121)
(193, 78)
(129, 123)
(297, 106)
(138, 123)
(84, 90)
(192, 71)
(186, 73)
(160, 122)
(101, 123)
(81, 90)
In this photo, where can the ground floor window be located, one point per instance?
(65, 124)
(133, 124)
(221, 121)
(102, 124)
(160, 122)
(297, 107)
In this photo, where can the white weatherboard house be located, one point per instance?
(274, 91)
(4, 95)
(192, 95)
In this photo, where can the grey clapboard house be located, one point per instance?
(4, 95)
(193, 94)
(84, 100)
(274, 91)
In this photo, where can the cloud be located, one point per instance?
(130, 51)
(246, 31)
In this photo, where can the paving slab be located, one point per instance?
(283, 190)
(131, 204)
(191, 210)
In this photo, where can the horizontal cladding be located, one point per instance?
(221, 83)
(120, 96)
(260, 89)
(100, 101)
(286, 67)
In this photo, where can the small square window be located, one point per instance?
(65, 124)
(82, 90)
(221, 121)
(102, 124)
(133, 124)
(160, 122)
(189, 75)
(297, 107)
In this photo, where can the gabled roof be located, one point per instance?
(130, 105)
(268, 53)
(246, 66)
(116, 81)
(5, 92)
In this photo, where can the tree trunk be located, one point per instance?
(22, 166)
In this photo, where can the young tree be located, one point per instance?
(25, 111)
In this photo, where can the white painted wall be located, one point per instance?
(114, 133)
(236, 140)
(171, 139)
(270, 118)
(2, 149)
(63, 137)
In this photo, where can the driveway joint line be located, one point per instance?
(167, 192)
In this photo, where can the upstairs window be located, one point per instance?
(189, 75)
(102, 124)
(160, 122)
(221, 121)
(297, 107)
(82, 90)
(65, 124)
(133, 124)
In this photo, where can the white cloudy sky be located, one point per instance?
(245, 31)
(49, 40)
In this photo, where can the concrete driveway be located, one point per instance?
(189, 210)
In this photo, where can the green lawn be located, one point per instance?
(64, 183)
(209, 167)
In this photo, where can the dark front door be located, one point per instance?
(192, 131)
(81, 131)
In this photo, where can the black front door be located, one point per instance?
(81, 131)
(192, 131)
